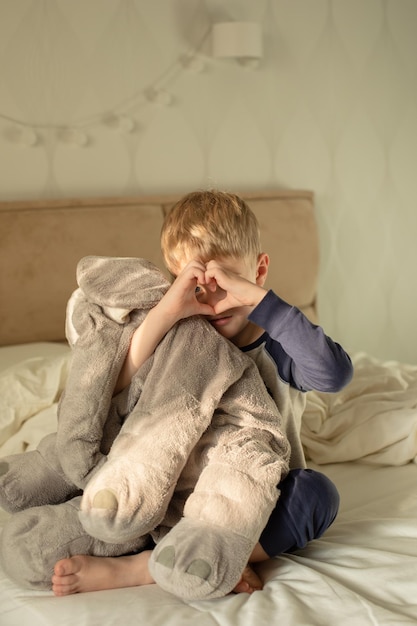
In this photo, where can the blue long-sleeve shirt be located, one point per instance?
(306, 358)
(294, 356)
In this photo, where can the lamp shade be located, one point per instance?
(237, 39)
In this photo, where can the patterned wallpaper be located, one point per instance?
(122, 97)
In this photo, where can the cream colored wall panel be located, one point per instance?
(331, 107)
(403, 306)
(91, 28)
(403, 234)
(48, 72)
(328, 84)
(401, 22)
(371, 305)
(105, 165)
(253, 166)
(403, 159)
(120, 64)
(168, 155)
(302, 157)
(359, 161)
(358, 24)
(23, 170)
(300, 25)
(385, 89)
(12, 15)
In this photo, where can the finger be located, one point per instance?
(213, 264)
(193, 269)
(211, 283)
(211, 279)
(216, 272)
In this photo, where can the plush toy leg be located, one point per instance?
(129, 495)
(199, 561)
(204, 555)
(34, 540)
(34, 478)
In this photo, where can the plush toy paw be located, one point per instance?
(198, 561)
(33, 478)
(124, 501)
(32, 542)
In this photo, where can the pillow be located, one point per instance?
(11, 355)
(30, 385)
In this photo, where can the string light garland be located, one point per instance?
(120, 118)
(238, 40)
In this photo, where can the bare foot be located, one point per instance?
(94, 573)
(249, 582)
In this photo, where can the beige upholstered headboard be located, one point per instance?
(42, 241)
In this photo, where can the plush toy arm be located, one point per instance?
(84, 406)
(114, 297)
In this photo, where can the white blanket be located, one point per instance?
(373, 419)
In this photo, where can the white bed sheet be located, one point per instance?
(363, 571)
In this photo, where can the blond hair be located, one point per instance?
(209, 225)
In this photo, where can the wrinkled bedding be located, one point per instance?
(362, 571)
(374, 419)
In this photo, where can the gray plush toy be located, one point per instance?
(190, 454)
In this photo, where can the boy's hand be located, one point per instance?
(237, 290)
(181, 301)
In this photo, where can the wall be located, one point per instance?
(97, 98)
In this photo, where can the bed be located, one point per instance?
(363, 570)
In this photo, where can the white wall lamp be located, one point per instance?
(238, 40)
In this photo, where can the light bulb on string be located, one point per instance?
(23, 135)
(73, 137)
(193, 63)
(159, 96)
(122, 123)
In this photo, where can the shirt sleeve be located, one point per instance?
(309, 359)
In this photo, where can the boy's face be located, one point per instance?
(231, 323)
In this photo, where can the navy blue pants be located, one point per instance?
(306, 507)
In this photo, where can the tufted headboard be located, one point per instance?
(41, 242)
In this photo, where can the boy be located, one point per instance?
(210, 242)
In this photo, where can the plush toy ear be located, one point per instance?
(121, 282)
